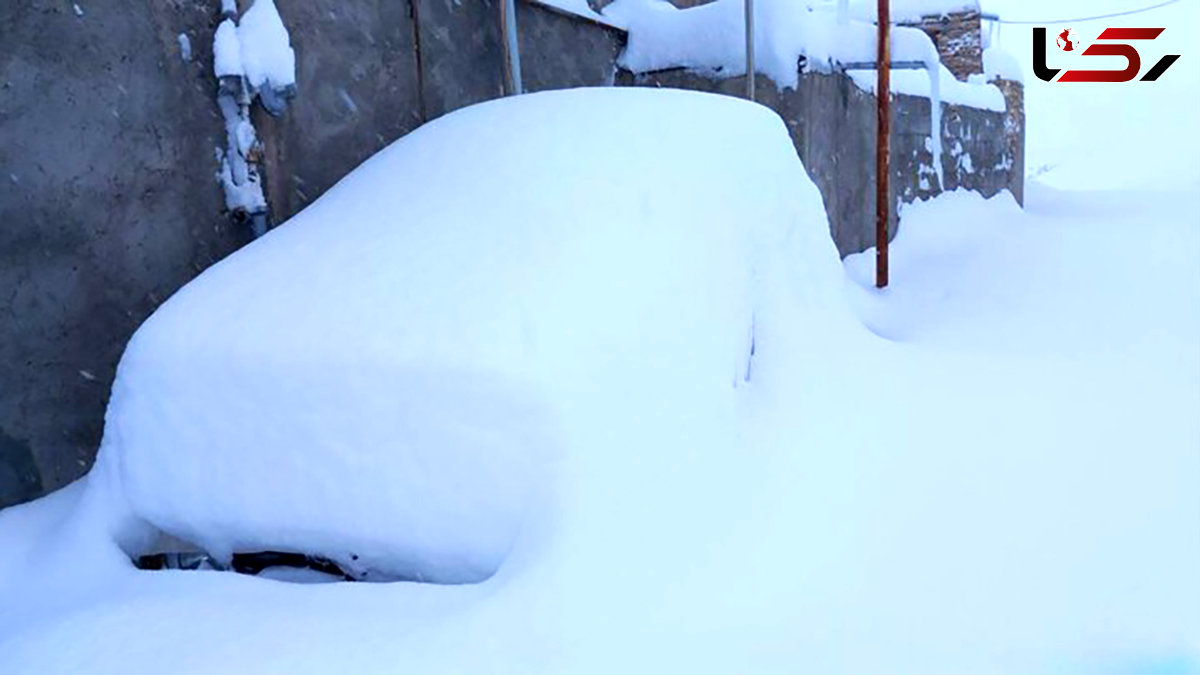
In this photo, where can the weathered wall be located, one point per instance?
(108, 205)
(347, 108)
(959, 40)
(560, 51)
(832, 124)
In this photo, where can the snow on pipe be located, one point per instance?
(252, 59)
(933, 66)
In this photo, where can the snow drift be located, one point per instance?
(1005, 485)
(380, 380)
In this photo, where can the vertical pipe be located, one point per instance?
(750, 49)
(512, 50)
(883, 95)
(414, 13)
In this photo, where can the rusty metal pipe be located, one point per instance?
(883, 95)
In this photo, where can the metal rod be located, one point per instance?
(894, 65)
(512, 50)
(883, 94)
(414, 8)
(750, 49)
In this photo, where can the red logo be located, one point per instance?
(1106, 45)
(1067, 40)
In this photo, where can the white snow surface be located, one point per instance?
(397, 361)
(580, 8)
(266, 49)
(999, 63)
(227, 51)
(991, 467)
(711, 37)
(906, 11)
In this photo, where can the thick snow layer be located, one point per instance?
(266, 49)
(1005, 485)
(998, 63)
(711, 37)
(951, 90)
(580, 8)
(227, 51)
(906, 11)
(378, 377)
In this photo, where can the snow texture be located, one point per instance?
(227, 51)
(999, 64)
(185, 46)
(267, 56)
(580, 8)
(908, 11)
(711, 37)
(995, 474)
(438, 405)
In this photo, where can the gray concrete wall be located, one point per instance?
(347, 107)
(560, 51)
(832, 124)
(108, 205)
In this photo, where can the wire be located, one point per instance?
(997, 19)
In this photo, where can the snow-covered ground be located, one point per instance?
(995, 470)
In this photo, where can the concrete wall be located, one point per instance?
(107, 139)
(108, 205)
(832, 124)
(560, 51)
(347, 108)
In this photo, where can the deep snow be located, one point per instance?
(1002, 480)
(993, 468)
(399, 353)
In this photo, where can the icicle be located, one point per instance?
(933, 66)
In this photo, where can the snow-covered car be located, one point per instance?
(391, 379)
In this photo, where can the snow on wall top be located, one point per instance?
(387, 374)
(580, 8)
(998, 63)
(711, 37)
(906, 11)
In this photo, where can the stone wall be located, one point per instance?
(959, 40)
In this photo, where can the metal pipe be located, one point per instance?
(894, 65)
(750, 49)
(883, 94)
(512, 50)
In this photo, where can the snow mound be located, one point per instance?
(227, 51)
(1000, 64)
(266, 49)
(382, 380)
